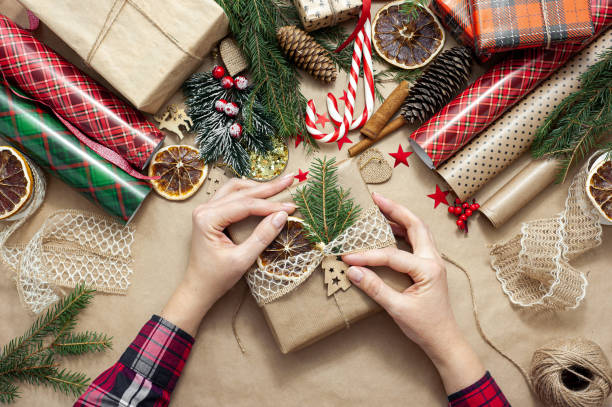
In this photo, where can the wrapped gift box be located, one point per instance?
(501, 25)
(144, 49)
(317, 14)
(306, 314)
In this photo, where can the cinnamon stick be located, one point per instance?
(386, 111)
(368, 142)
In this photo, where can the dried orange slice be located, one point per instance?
(181, 169)
(599, 187)
(405, 41)
(16, 181)
(291, 241)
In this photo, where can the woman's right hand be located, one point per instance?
(422, 311)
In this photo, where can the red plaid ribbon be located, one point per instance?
(93, 110)
(493, 93)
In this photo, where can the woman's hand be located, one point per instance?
(215, 262)
(423, 310)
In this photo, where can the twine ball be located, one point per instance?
(571, 373)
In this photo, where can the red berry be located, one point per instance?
(474, 206)
(231, 109)
(468, 212)
(461, 224)
(235, 130)
(227, 82)
(218, 72)
(458, 210)
(457, 201)
(465, 205)
(241, 82)
(220, 105)
(463, 217)
(451, 209)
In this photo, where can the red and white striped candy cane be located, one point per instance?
(364, 38)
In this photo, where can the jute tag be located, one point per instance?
(373, 167)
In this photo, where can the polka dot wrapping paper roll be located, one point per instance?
(500, 88)
(512, 134)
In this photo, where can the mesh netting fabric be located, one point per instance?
(534, 267)
(371, 231)
(71, 247)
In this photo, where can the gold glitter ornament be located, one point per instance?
(265, 167)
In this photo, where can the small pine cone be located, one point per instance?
(306, 53)
(446, 75)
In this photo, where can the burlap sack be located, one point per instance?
(144, 49)
(307, 314)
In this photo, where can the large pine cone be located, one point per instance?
(444, 78)
(306, 53)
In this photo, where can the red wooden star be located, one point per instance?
(344, 98)
(401, 157)
(439, 197)
(302, 175)
(298, 139)
(342, 141)
(322, 119)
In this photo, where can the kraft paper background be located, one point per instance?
(372, 363)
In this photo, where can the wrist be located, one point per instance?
(187, 306)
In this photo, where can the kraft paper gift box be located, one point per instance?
(316, 14)
(145, 49)
(307, 314)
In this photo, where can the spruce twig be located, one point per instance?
(581, 119)
(30, 358)
(327, 207)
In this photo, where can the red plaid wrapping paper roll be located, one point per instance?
(501, 25)
(456, 17)
(92, 109)
(493, 93)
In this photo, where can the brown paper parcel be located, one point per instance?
(317, 14)
(306, 314)
(144, 49)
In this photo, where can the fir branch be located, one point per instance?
(29, 359)
(327, 207)
(575, 126)
(411, 7)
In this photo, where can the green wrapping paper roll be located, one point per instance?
(44, 139)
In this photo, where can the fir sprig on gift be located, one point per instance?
(411, 7)
(576, 126)
(31, 358)
(212, 127)
(327, 208)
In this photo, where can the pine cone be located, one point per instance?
(306, 53)
(446, 75)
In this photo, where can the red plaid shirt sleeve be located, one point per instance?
(484, 393)
(146, 373)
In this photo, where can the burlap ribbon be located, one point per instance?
(534, 266)
(371, 231)
(111, 17)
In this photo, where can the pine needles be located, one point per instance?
(327, 208)
(575, 127)
(30, 358)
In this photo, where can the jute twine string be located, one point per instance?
(570, 372)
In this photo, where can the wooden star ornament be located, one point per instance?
(401, 157)
(301, 176)
(439, 196)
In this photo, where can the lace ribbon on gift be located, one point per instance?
(70, 247)
(533, 267)
(371, 231)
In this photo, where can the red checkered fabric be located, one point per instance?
(501, 25)
(494, 92)
(95, 111)
(484, 393)
(147, 371)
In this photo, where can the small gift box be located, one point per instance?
(144, 49)
(317, 14)
(294, 294)
(501, 25)
(456, 17)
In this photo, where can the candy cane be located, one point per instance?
(346, 123)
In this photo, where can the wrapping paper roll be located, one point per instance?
(519, 191)
(474, 109)
(93, 110)
(48, 142)
(511, 135)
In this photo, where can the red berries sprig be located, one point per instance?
(231, 109)
(463, 211)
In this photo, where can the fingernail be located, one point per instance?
(289, 205)
(279, 219)
(354, 274)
